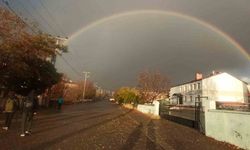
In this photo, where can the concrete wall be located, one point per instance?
(151, 109)
(228, 126)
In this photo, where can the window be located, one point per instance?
(191, 98)
(185, 98)
(199, 86)
(190, 87)
(194, 86)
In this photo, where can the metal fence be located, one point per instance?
(182, 114)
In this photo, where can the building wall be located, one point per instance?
(173, 90)
(189, 91)
(229, 126)
(224, 88)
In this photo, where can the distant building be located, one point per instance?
(220, 87)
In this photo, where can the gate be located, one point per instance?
(197, 111)
(183, 114)
(178, 113)
(199, 114)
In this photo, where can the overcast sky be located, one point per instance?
(116, 50)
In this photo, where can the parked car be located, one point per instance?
(111, 99)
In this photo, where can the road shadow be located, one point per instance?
(150, 143)
(46, 122)
(179, 120)
(71, 122)
(133, 138)
(46, 145)
(151, 137)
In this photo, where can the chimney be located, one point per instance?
(198, 76)
(215, 72)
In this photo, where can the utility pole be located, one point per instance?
(86, 75)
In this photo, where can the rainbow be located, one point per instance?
(160, 12)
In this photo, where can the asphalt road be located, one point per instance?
(104, 125)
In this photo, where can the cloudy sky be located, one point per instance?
(117, 39)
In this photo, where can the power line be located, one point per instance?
(52, 17)
(49, 25)
(59, 27)
(7, 4)
(29, 13)
(72, 68)
(10, 8)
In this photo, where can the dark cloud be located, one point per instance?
(119, 49)
(116, 51)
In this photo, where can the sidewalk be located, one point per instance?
(164, 134)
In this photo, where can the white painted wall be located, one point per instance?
(224, 88)
(187, 92)
(147, 109)
(221, 87)
(150, 109)
(229, 126)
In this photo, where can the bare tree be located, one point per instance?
(152, 84)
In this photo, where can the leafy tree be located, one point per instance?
(36, 74)
(24, 56)
(11, 27)
(152, 84)
(127, 95)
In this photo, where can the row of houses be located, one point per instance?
(220, 87)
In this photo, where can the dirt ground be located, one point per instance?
(104, 125)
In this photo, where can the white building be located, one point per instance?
(220, 87)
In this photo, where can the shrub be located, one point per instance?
(126, 95)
